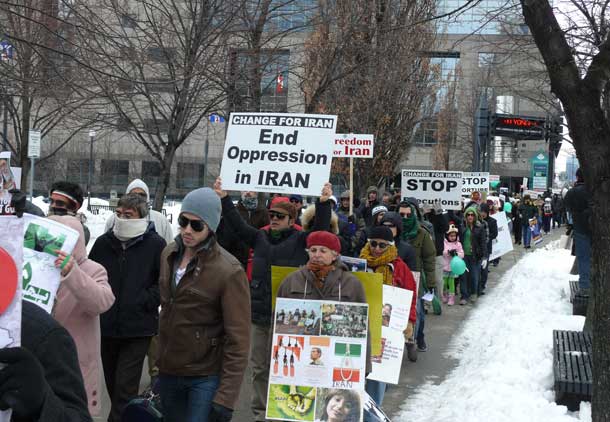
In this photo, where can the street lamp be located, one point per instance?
(90, 176)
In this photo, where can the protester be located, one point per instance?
(41, 380)
(492, 234)
(281, 245)
(547, 215)
(66, 198)
(131, 255)
(386, 200)
(162, 225)
(254, 213)
(377, 214)
(451, 248)
(474, 242)
(578, 203)
(558, 210)
(425, 257)
(367, 205)
(83, 294)
(382, 257)
(297, 201)
(440, 225)
(517, 223)
(203, 336)
(528, 211)
(406, 252)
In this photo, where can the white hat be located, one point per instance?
(378, 209)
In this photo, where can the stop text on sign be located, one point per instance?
(433, 187)
(353, 145)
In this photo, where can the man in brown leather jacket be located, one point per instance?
(204, 339)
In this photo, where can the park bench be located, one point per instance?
(95, 209)
(578, 300)
(572, 368)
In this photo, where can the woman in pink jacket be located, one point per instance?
(84, 293)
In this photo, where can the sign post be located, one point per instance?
(540, 169)
(349, 145)
(33, 154)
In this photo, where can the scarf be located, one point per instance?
(125, 229)
(249, 203)
(409, 226)
(379, 264)
(320, 272)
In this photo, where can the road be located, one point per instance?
(431, 366)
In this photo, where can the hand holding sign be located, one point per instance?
(327, 192)
(218, 188)
(8, 280)
(65, 261)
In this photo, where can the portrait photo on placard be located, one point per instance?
(338, 405)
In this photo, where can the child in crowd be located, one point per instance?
(452, 248)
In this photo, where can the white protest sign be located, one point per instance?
(352, 145)
(494, 178)
(318, 346)
(7, 182)
(17, 176)
(41, 237)
(395, 317)
(532, 193)
(431, 186)
(475, 182)
(503, 244)
(11, 255)
(275, 152)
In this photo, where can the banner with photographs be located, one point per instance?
(394, 317)
(318, 358)
(41, 239)
(11, 257)
(7, 182)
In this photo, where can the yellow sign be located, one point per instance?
(373, 287)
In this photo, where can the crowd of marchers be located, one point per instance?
(184, 301)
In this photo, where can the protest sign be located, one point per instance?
(318, 347)
(532, 193)
(349, 145)
(535, 228)
(503, 244)
(354, 264)
(41, 238)
(431, 186)
(373, 288)
(395, 317)
(11, 258)
(475, 182)
(275, 152)
(7, 182)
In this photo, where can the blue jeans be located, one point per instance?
(375, 389)
(470, 285)
(582, 246)
(527, 234)
(421, 319)
(187, 399)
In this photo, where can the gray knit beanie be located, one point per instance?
(205, 204)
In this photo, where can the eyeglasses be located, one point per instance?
(389, 225)
(59, 203)
(278, 215)
(295, 201)
(381, 245)
(197, 225)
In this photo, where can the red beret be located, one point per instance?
(327, 239)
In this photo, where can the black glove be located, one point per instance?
(569, 230)
(452, 252)
(17, 201)
(23, 386)
(219, 413)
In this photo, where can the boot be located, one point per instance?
(411, 351)
(445, 297)
(451, 300)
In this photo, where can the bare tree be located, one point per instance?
(578, 63)
(157, 67)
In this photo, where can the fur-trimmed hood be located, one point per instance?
(308, 215)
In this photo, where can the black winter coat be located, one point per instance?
(478, 240)
(440, 222)
(133, 274)
(407, 253)
(492, 228)
(287, 251)
(577, 202)
(52, 345)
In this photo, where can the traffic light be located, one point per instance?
(555, 134)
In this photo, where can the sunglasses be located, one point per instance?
(381, 245)
(196, 225)
(295, 201)
(390, 225)
(278, 215)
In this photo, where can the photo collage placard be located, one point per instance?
(318, 360)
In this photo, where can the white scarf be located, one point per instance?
(125, 229)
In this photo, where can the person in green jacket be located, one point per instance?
(528, 211)
(425, 258)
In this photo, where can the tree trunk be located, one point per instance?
(164, 176)
(24, 162)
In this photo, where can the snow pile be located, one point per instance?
(505, 369)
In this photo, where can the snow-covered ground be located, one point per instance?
(505, 369)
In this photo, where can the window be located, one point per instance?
(115, 172)
(78, 172)
(150, 173)
(425, 135)
(273, 89)
(152, 125)
(504, 151)
(129, 20)
(481, 17)
(160, 85)
(161, 54)
(292, 15)
(190, 176)
(122, 124)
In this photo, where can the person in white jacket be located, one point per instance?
(162, 226)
